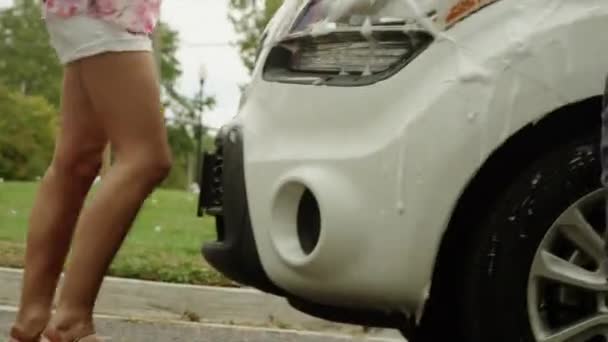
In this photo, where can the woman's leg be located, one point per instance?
(124, 91)
(58, 203)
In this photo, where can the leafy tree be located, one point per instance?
(27, 124)
(182, 146)
(28, 64)
(170, 66)
(182, 129)
(250, 19)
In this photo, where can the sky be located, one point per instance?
(206, 36)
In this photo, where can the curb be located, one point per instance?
(129, 330)
(175, 302)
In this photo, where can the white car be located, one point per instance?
(432, 166)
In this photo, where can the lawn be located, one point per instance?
(164, 244)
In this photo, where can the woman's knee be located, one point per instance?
(159, 167)
(151, 167)
(77, 166)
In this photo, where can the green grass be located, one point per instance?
(164, 244)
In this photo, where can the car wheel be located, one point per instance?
(531, 267)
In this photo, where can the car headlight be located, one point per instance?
(343, 40)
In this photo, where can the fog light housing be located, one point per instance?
(309, 222)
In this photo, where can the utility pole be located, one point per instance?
(199, 118)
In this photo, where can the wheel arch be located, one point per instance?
(497, 172)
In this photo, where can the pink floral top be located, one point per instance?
(138, 16)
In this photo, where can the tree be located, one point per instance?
(249, 19)
(181, 128)
(28, 64)
(28, 125)
(182, 146)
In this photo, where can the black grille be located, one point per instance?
(217, 187)
(211, 184)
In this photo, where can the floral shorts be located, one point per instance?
(84, 36)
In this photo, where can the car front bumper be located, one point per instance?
(223, 195)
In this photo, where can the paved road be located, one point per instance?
(122, 330)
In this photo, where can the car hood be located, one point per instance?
(443, 13)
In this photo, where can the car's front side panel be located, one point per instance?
(388, 162)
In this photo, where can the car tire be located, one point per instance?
(485, 297)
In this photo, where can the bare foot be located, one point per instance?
(56, 338)
(81, 334)
(29, 325)
(18, 336)
(91, 338)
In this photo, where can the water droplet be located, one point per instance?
(232, 136)
(536, 179)
(195, 188)
(575, 160)
(318, 82)
(400, 207)
(367, 29)
(367, 71)
(323, 28)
